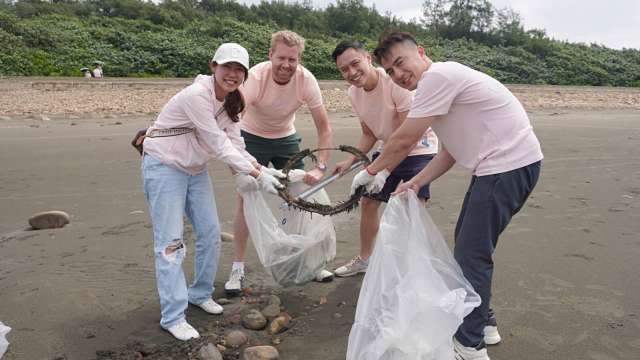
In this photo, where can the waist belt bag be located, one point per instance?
(138, 139)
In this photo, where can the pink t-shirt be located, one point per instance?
(215, 134)
(379, 110)
(482, 124)
(271, 107)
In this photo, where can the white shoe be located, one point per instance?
(183, 331)
(491, 335)
(211, 307)
(353, 267)
(324, 276)
(468, 353)
(235, 283)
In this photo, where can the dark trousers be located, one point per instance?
(488, 206)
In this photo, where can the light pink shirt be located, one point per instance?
(271, 107)
(215, 135)
(379, 110)
(482, 124)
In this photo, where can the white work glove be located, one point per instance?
(372, 183)
(273, 172)
(296, 175)
(268, 183)
(245, 183)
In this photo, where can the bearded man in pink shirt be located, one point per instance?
(274, 91)
(481, 126)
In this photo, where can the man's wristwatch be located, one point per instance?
(321, 166)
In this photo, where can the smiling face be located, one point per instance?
(284, 62)
(228, 77)
(405, 62)
(355, 67)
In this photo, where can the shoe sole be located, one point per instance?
(324, 280)
(233, 292)
(351, 274)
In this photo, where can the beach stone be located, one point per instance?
(236, 338)
(49, 220)
(264, 352)
(5, 118)
(209, 352)
(226, 237)
(274, 300)
(280, 324)
(254, 320)
(223, 301)
(271, 311)
(44, 118)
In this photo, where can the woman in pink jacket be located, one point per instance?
(198, 124)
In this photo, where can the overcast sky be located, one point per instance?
(614, 23)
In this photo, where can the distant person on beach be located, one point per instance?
(483, 127)
(381, 107)
(274, 91)
(97, 72)
(86, 73)
(198, 124)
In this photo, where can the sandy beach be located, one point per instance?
(563, 286)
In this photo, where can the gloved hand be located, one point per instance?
(362, 178)
(268, 183)
(373, 183)
(296, 175)
(273, 172)
(245, 183)
(378, 182)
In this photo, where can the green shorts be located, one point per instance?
(274, 151)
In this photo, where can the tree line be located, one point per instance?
(177, 37)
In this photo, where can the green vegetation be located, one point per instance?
(177, 37)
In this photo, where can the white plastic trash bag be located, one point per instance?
(295, 246)
(294, 221)
(414, 295)
(4, 344)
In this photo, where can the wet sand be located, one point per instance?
(564, 284)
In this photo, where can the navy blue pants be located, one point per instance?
(488, 206)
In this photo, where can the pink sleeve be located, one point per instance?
(312, 94)
(199, 109)
(433, 97)
(401, 98)
(237, 140)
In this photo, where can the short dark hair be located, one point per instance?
(388, 40)
(344, 46)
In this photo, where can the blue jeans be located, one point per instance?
(171, 194)
(488, 206)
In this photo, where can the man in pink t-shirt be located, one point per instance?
(381, 106)
(273, 92)
(483, 127)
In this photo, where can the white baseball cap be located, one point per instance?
(231, 52)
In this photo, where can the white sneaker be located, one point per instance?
(468, 353)
(183, 331)
(324, 276)
(211, 307)
(491, 335)
(235, 283)
(353, 267)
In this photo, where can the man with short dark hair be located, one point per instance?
(381, 106)
(483, 127)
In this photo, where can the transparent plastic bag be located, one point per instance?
(295, 246)
(414, 295)
(4, 344)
